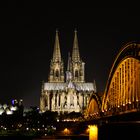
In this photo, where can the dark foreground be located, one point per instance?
(118, 131)
(45, 138)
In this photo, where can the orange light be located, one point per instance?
(66, 131)
(87, 131)
(93, 132)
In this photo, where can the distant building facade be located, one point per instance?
(66, 91)
(15, 108)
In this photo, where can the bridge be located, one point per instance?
(122, 91)
(120, 104)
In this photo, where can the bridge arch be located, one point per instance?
(94, 106)
(122, 92)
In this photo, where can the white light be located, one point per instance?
(13, 108)
(27, 128)
(5, 106)
(19, 125)
(9, 112)
(1, 111)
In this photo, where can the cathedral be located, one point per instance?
(66, 91)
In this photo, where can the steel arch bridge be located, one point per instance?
(122, 91)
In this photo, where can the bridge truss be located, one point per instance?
(122, 92)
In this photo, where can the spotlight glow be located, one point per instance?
(93, 132)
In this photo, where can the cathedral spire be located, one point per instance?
(56, 65)
(75, 51)
(56, 52)
(69, 62)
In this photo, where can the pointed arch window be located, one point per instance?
(57, 73)
(76, 73)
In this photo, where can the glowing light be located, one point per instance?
(1, 111)
(9, 112)
(93, 132)
(13, 101)
(87, 130)
(19, 125)
(5, 106)
(66, 131)
(13, 108)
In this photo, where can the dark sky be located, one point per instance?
(27, 41)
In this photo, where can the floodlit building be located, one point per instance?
(16, 106)
(66, 91)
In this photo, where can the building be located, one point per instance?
(66, 91)
(15, 108)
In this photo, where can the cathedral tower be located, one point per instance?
(56, 65)
(78, 67)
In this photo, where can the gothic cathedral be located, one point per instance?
(66, 91)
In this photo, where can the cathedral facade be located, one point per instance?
(66, 91)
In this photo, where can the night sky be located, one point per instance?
(27, 42)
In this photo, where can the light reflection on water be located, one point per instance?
(63, 138)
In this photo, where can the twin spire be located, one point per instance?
(75, 51)
(75, 66)
(56, 52)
